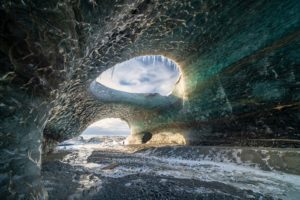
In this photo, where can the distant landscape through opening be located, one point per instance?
(107, 127)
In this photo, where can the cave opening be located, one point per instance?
(143, 74)
(108, 131)
(107, 127)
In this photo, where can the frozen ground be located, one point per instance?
(106, 169)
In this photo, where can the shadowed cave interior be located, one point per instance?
(227, 126)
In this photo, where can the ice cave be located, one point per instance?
(209, 89)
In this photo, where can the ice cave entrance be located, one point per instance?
(143, 74)
(107, 127)
(106, 132)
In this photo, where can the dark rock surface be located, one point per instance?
(173, 172)
(239, 60)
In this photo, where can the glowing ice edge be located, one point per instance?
(146, 100)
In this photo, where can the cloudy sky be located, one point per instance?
(144, 74)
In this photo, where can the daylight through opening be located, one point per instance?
(105, 132)
(107, 127)
(143, 74)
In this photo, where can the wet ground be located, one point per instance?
(109, 170)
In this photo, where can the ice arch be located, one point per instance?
(142, 74)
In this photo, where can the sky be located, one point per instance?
(108, 126)
(144, 74)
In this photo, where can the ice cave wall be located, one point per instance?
(239, 62)
(238, 59)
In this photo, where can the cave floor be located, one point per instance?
(146, 172)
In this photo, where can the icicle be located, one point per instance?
(112, 72)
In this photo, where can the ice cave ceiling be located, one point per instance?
(239, 61)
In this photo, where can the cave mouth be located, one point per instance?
(107, 127)
(105, 132)
(142, 74)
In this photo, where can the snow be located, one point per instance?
(238, 174)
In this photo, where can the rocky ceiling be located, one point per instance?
(239, 61)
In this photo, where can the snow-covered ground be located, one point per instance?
(107, 158)
(92, 142)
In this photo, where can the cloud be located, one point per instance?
(125, 82)
(145, 74)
